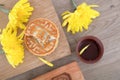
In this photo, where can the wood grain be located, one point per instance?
(107, 29)
(43, 9)
(72, 70)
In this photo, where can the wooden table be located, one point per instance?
(43, 9)
(107, 29)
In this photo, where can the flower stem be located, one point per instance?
(74, 4)
(6, 11)
(1, 51)
(1, 4)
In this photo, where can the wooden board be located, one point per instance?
(107, 29)
(68, 72)
(44, 9)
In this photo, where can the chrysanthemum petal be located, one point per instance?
(65, 22)
(66, 12)
(10, 40)
(66, 16)
(80, 18)
(94, 5)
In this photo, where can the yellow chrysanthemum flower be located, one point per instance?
(12, 46)
(20, 13)
(80, 18)
(11, 40)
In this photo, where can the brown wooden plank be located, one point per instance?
(70, 72)
(44, 9)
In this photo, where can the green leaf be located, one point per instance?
(1, 51)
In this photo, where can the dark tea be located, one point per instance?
(93, 52)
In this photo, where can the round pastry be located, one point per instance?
(41, 37)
